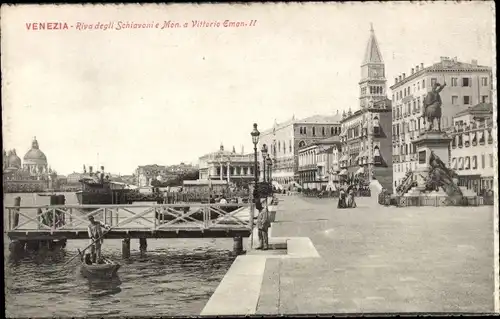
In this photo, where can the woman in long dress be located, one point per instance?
(342, 197)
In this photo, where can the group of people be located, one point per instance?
(347, 196)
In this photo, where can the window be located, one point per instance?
(433, 81)
(465, 82)
(418, 85)
(467, 162)
(314, 131)
(491, 160)
(474, 162)
(484, 81)
(484, 99)
(423, 84)
(331, 130)
(454, 82)
(300, 130)
(323, 131)
(467, 100)
(305, 130)
(454, 100)
(483, 161)
(290, 146)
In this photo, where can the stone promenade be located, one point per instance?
(381, 259)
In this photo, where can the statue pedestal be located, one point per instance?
(425, 144)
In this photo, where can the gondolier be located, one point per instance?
(96, 240)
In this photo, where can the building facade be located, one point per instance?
(366, 133)
(318, 164)
(472, 148)
(467, 84)
(284, 140)
(235, 168)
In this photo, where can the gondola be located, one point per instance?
(106, 270)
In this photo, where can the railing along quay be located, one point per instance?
(29, 225)
(148, 218)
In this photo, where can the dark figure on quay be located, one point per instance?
(432, 107)
(263, 224)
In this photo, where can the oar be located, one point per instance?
(80, 253)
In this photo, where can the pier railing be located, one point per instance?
(153, 217)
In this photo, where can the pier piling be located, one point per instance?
(143, 245)
(17, 203)
(126, 248)
(237, 246)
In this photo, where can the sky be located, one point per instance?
(123, 98)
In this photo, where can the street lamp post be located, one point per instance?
(264, 163)
(255, 140)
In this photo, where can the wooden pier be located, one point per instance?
(28, 225)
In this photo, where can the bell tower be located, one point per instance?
(373, 83)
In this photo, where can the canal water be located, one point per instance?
(175, 277)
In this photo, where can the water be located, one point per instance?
(175, 277)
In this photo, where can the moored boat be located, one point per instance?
(105, 270)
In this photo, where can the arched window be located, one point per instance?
(332, 130)
(300, 130)
(314, 131)
(323, 131)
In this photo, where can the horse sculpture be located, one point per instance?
(432, 107)
(441, 176)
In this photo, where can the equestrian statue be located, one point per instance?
(432, 107)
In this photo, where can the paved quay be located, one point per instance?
(369, 259)
(381, 259)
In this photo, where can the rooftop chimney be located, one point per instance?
(416, 69)
(404, 75)
(400, 78)
(474, 62)
(412, 70)
(422, 66)
(396, 80)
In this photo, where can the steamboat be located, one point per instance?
(98, 189)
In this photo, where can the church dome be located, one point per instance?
(34, 155)
(13, 160)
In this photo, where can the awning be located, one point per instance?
(360, 170)
(376, 152)
(343, 172)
